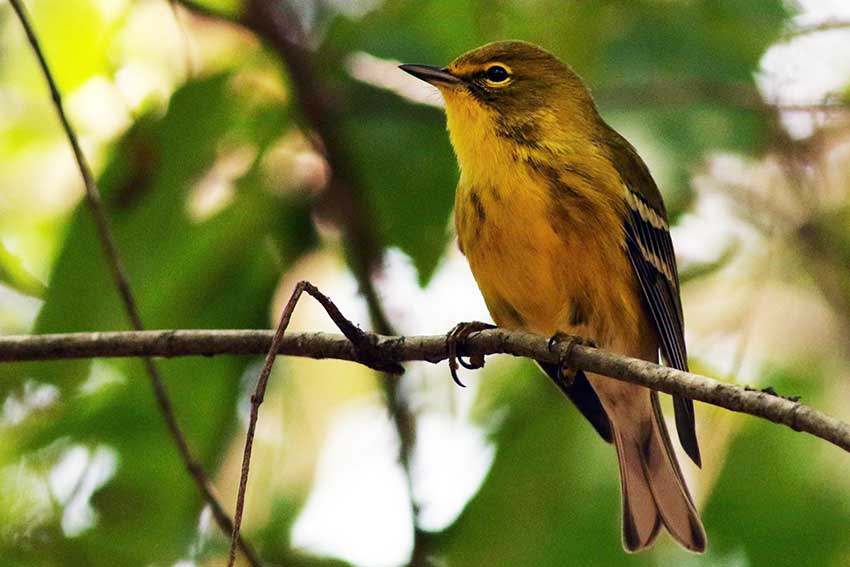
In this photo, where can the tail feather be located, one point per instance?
(653, 489)
(668, 486)
(641, 520)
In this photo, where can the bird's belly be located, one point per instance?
(546, 279)
(521, 267)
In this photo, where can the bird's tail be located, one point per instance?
(653, 490)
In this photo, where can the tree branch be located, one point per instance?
(393, 350)
(122, 284)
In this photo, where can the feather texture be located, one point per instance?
(651, 254)
(650, 251)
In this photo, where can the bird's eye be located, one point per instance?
(496, 74)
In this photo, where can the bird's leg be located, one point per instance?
(568, 374)
(456, 337)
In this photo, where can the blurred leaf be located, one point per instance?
(425, 32)
(408, 169)
(724, 39)
(696, 271)
(225, 7)
(74, 36)
(187, 273)
(782, 498)
(552, 495)
(13, 274)
(712, 61)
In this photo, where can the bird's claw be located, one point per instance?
(457, 336)
(565, 371)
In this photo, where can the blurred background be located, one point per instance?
(243, 146)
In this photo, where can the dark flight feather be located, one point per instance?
(651, 254)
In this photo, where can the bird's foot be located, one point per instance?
(455, 338)
(565, 372)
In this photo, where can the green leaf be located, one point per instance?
(724, 39)
(406, 165)
(230, 8)
(708, 66)
(407, 31)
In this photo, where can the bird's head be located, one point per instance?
(513, 89)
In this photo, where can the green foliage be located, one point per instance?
(207, 273)
(712, 61)
(15, 275)
(551, 497)
(724, 41)
(776, 501)
(411, 192)
(229, 8)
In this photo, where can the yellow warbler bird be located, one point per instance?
(566, 232)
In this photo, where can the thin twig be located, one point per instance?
(362, 344)
(122, 284)
(396, 350)
(256, 400)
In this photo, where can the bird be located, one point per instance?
(566, 233)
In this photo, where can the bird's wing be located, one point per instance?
(651, 254)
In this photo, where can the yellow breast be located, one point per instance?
(545, 247)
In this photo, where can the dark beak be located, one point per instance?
(429, 74)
